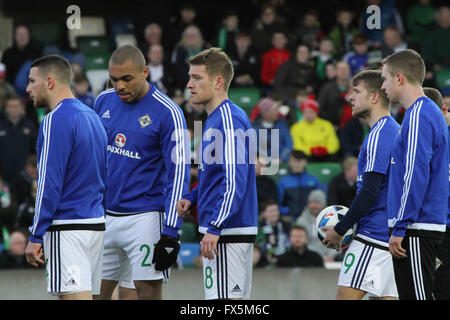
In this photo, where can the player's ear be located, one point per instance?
(146, 71)
(219, 82)
(400, 79)
(50, 82)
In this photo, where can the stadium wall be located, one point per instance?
(276, 284)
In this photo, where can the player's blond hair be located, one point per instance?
(217, 63)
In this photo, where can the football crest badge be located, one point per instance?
(144, 121)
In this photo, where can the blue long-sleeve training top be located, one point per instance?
(71, 155)
(226, 191)
(418, 182)
(148, 155)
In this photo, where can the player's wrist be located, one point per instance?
(214, 230)
(36, 239)
(170, 231)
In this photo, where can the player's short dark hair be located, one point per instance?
(128, 53)
(55, 65)
(434, 95)
(407, 62)
(217, 63)
(372, 81)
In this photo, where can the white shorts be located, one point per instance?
(229, 274)
(369, 268)
(73, 261)
(129, 243)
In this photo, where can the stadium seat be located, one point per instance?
(93, 44)
(90, 26)
(246, 98)
(96, 61)
(97, 80)
(47, 32)
(124, 39)
(188, 232)
(324, 171)
(119, 26)
(188, 252)
(282, 171)
(443, 78)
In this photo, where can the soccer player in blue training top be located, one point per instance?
(418, 183)
(147, 175)
(226, 191)
(441, 288)
(367, 265)
(69, 219)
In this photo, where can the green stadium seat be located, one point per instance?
(283, 170)
(96, 61)
(93, 44)
(324, 171)
(47, 32)
(188, 232)
(443, 78)
(246, 98)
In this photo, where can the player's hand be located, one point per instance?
(332, 239)
(183, 208)
(34, 253)
(209, 245)
(166, 252)
(395, 247)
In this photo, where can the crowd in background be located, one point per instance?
(302, 74)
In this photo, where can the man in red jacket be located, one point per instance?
(273, 59)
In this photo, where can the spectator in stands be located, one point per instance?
(342, 188)
(343, 31)
(259, 259)
(299, 255)
(25, 213)
(269, 119)
(226, 35)
(191, 43)
(273, 232)
(152, 36)
(14, 256)
(436, 47)
(324, 55)
(81, 90)
(393, 41)
(357, 59)
(332, 97)
(17, 139)
(314, 136)
(22, 183)
(420, 18)
(78, 63)
(271, 60)
(389, 16)
(21, 51)
(264, 27)
(246, 62)
(187, 16)
(295, 74)
(308, 31)
(316, 202)
(294, 188)
(265, 186)
(351, 137)
(446, 98)
(164, 75)
(6, 89)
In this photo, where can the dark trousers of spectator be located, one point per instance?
(442, 276)
(414, 275)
